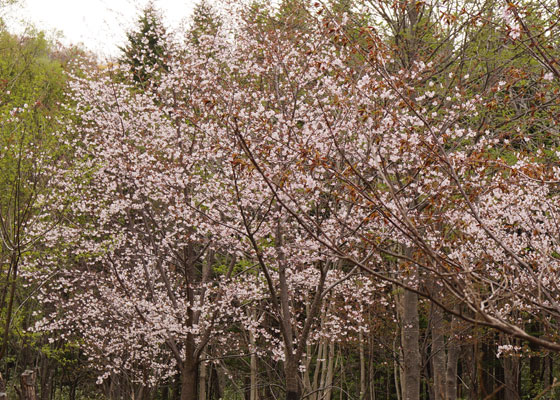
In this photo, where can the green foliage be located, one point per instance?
(32, 115)
(31, 90)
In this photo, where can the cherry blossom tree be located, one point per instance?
(137, 282)
(424, 185)
(421, 183)
(163, 195)
(281, 165)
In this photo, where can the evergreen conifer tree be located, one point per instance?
(146, 50)
(204, 21)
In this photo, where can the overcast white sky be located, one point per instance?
(99, 24)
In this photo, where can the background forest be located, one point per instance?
(331, 199)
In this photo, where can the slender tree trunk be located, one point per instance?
(452, 361)
(143, 393)
(111, 387)
(371, 370)
(318, 368)
(189, 369)
(290, 363)
(14, 264)
(410, 334)
(511, 375)
(46, 378)
(535, 365)
(398, 371)
(254, 366)
(479, 360)
(469, 373)
(438, 353)
(343, 383)
(547, 371)
(330, 373)
(218, 382)
(362, 366)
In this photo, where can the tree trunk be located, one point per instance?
(536, 370)
(410, 333)
(547, 371)
(452, 361)
(323, 378)
(362, 365)
(330, 373)
(479, 360)
(202, 381)
(398, 371)
(143, 393)
(438, 353)
(292, 384)
(189, 380)
(318, 372)
(46, 375)
(511, 375)
(254, 383)
(221, 382)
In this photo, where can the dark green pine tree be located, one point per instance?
(146, 50)
(204, 21)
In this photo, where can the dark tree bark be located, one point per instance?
(46, 378)
(438, 353)
(410, 334)
(189, 381)
(292, 382)
(453, 350)
(511, 375)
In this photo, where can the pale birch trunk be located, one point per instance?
(254, 380)
(327, 385)
(362, 366)
(318, 368)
